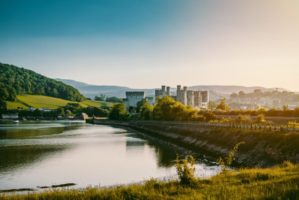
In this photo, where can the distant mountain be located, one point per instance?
(216, 91)
(17, 81)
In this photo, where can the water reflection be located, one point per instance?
(13, 157)
(56, 153)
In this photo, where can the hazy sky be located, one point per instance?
(146, 43)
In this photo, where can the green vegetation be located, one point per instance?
(146, 111)
(15, 105)
(281, 182)
(168, 109)
(102, 97)
(46, 102)
(262, 147)
(90, 103)
(118, 112)
(186, 171)
(38, 101)
(18, 81)
(222, 105)
(45, 107)
(229, 159)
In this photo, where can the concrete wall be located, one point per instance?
(132, 98)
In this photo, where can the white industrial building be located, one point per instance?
(132, 98)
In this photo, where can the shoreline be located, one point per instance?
(262, 148)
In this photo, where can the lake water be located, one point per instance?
(48, 153)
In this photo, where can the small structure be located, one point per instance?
(132, 98)
(11, 116)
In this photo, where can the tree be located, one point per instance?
(212, 105)
(114, 99)
(2, 104)
(118, 112)
(139, 105)
(15, 81)
(102, 97)
(171, 110)
(222, 105)
(146, 111)
(61, 112)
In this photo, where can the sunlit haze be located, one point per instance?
(143, 44)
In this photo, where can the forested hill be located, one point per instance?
(15, 80)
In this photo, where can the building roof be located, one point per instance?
(135, 93)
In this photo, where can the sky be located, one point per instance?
(147, 43)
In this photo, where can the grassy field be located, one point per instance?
(39, 101)
(14, 105)
(280, 182)
(90, 103)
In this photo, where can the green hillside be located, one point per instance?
(38, 101)
(19, 81)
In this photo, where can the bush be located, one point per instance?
(146, 111)
(171, 110)
(231, 156)
(118, 112)
(186, 170)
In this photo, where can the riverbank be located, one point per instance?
(262, 148)
(281, 182)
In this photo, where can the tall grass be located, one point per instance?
(281, 182)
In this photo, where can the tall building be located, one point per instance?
(132, 98)
(181, 94)
(164, 91)
(190, 98)
(197, 99)
(205, 99)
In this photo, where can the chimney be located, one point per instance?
(168, 90)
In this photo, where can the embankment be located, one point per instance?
(261, 148)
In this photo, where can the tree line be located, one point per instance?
(15, 80)
(168, 109)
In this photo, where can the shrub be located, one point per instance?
(186, 170)
(118, 112)
(231, 156)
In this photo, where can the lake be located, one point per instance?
(35, 154)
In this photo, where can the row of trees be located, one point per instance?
(166, 109)
(169, 109)
(223, 109)
(102, 97)
(70, 110)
